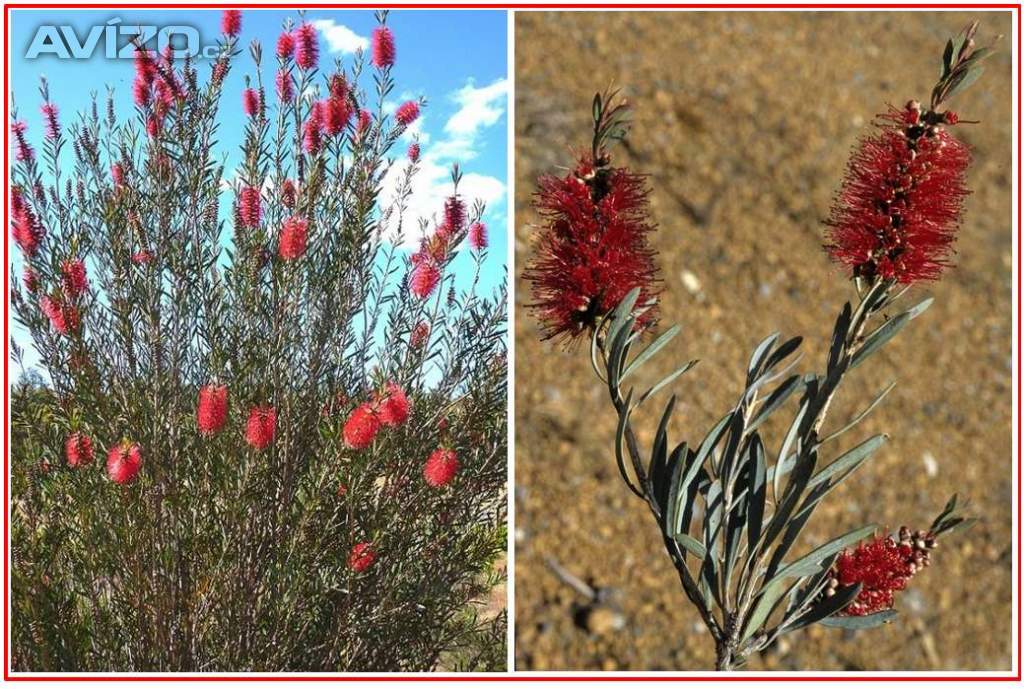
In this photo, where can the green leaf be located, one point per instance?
(962, 79)
(757, 490)
(776, 400)
(879, 337)
(666, 381)
(860, 417)
(691, 544)
(769, 598)
(760, 354)
(861, 621)
(850, 460)
(650, 351)
(808, 565)
(827, 606)
(619, 433)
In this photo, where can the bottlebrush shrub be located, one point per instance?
(215, 364)
(731, 506)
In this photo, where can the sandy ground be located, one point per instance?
(744, 122)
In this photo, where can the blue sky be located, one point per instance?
(456, 58)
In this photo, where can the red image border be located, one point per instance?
(511, 675)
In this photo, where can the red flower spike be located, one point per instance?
(419, 335)
(393, 410)
(212, 409)
(25, 228)
(292, 243)
(382, 47)
(307, 51)
(74, 278)
(251, 102)
(231, 22)
(364, 122)
(285, 45)
(414, 152)
(30, 279)
(454, 215)
(78, 450)
(899, 207)
(441, 467)
(883, 567)
(288, 194)
(478, 236)
(23, 150)
(63, 317)
(592, 250)
(362, 556)
(249, 209)
(361, 427)
(407, 113)
(51, 127)
(285, 85)
(123, 462)
(337, 114)
(424, 279)
(312, 131)
(261, 427)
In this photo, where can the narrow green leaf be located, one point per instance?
(860, 622)
(650, 351)
(691, 544)
(757, 490)
(776, 400)
(861, 416)
(809, 564)
(666, 381)
(849, 460)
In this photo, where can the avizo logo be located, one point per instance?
(117, 41)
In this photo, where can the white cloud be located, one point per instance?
(340, 38)
(478, 108)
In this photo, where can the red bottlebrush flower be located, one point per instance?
(78, 450)
(154, 125)
(364, 122)
(454, 214)
(414, 152)
(592, 249)
(407, 113)
(288, 194)
(23, 150)
(899, 207)
(145, 66)
(249, 209)
(231, 22)
(212, 409)
(424, 278)
(51, 127)
(285, 85)
(142, 257)
(883, 566)
(442, 424)
(478, 236)
(312, 131)
(261, 426)
(394, 408)
(220, 70)
(337, 114)
(419, 335)
(382, 47)
(292, 242)
(251, 102)
(76, 282)
(30, 278)
(142, 92)
(117, 174)
(285, 45)
(361, 557)
(25, 228)
(339, 87)
(361, 427)
(123, 462)
(441, 467)
(63, 317)
(306, 48)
